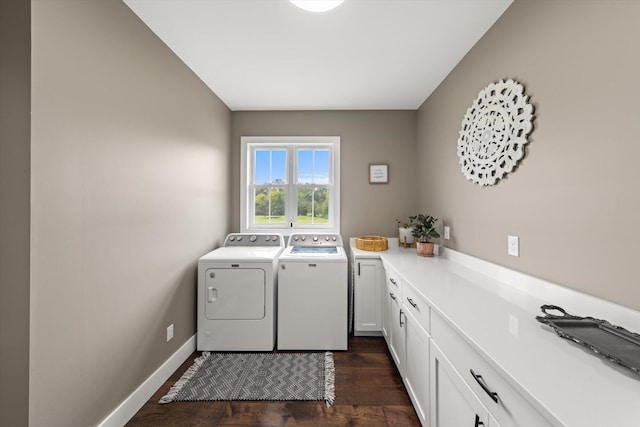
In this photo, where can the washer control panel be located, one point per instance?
(248, 239)
(314, 239)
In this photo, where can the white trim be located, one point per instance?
(246, 164)
(136, 400)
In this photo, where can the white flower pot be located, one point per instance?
(405, 235)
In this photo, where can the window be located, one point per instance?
(290, 183)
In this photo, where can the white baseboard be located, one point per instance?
(132, 404)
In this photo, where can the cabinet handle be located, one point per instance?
(393, 297)
(358, 269)
(413, 304)
(393, 281)
(401, 323)
(492, 394)
(478, 422)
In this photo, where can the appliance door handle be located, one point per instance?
(492, 394)
(212, 294)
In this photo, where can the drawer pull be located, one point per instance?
(478, 422)
(393, 297)
(492, 394)
(413, 304)
(393, 281)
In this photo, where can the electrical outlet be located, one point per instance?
(513, 245)
(447, 232)
(170, 332)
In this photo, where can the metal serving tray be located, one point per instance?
(609, 341)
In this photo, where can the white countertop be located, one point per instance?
(494, 309)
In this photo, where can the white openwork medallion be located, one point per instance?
(494, 132)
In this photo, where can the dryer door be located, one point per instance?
(233, 294)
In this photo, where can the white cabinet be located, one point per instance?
(416, 376)
(368, 287)
(397, 332)
(386, 308)
(504, 403)
(452, 402)
(408, 339)
(394, 318)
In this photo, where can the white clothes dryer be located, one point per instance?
(312, 293)
(237, 288)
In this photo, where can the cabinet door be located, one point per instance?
(452, 402)
(391, 290)
(417, 367)
(397, 346)
(368, 295)
(386, 314)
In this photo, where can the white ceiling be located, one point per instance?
(364, 55)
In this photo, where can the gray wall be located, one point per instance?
(15, 81)
(366, 137)
(134, 174)
(574, 200)
(129, 187)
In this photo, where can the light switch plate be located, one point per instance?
(447, 232)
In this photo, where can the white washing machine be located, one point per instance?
(237, 288)
(313, 294)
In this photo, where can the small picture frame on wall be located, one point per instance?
(379, 173)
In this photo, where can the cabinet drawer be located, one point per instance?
(394, 281)
(511, 408)
(416, 305)
(452, 403)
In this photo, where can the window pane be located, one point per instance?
(271, 167)
(313, 167)
(313, 205)
(269, 206)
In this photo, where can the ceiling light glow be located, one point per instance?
(317, 5)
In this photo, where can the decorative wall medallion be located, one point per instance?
(494, 132)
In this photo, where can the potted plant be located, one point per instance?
(423, 231)
(405, 232)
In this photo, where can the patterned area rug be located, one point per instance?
(257, 376)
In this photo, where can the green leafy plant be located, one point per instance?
(424, 227)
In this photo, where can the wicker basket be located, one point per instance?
(372, 243)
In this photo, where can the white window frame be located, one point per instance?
(292, 143)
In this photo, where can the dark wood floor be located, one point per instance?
(369, 392)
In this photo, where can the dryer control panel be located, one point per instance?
(313, 239)
(248, 239)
